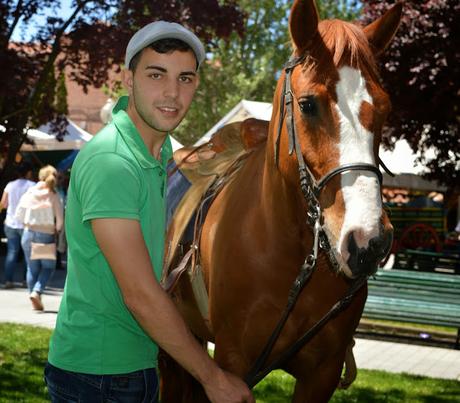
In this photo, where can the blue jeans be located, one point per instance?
(13, 235)
(38, 271)
(68, 387)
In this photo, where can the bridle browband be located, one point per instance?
(311, 189)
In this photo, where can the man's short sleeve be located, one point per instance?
(108, 186)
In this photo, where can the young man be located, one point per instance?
(114, 312)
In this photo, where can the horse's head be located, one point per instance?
(338, 111)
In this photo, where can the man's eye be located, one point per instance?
(185, 79)
(155, 76)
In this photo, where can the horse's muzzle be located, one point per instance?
(365, 261)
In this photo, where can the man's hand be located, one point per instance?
(225, 387)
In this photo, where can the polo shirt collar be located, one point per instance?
(133, 139)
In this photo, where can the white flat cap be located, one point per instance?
(161, 30)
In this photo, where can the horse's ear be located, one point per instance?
(303, 23)
(380, 32)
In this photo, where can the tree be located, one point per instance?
(421, 71)
(246, 67)
(240, 67)
(87, 45)
(343, 9)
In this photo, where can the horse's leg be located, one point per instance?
(177, 385)
(317, 387)
(171, 379)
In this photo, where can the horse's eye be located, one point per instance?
(308, 106)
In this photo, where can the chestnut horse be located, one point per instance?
(258, 231)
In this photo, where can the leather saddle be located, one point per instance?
(203, 180)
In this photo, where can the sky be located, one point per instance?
(19, 36)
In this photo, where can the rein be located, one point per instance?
(311, 189)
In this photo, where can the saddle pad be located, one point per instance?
(230, 143)
(201, 178)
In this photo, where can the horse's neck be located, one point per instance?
(282, 204)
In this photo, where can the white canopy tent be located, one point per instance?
(401, 161)
(75, 139)
(175, 144)
(44, 138)
(242, 111)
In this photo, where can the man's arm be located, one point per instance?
(58, 212)
(4, 201)
(123, 245)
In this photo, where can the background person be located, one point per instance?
(13, 227)
(41, 212)
(114, 313)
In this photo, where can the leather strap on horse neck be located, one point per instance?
(289, 66)
(257, 371)
(257, 374)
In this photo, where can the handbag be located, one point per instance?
(43, 251)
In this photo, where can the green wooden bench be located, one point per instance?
(415, 297)
(421, 260)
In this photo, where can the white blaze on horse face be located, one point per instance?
(360, 189)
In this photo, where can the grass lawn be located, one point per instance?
(369, 387)
(23, 351)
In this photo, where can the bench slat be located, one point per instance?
(415, 297)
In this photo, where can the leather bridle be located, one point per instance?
(311, 189)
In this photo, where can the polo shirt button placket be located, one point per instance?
(162, 186)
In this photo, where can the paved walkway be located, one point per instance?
(370, 354)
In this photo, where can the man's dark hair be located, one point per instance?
(166, 45)
(23, 169)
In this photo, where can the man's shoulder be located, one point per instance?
(106, 141)
(19, 184)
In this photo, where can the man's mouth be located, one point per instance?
(168, 109)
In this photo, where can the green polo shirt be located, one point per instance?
(114, 176)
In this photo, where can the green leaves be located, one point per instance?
(421, 71)
(247, 66)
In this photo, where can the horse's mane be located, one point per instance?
(347, 45)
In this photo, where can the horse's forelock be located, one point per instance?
(347, 44)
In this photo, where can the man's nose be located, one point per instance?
(171, 89)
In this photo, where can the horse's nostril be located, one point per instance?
(352, 246)
(365, 260)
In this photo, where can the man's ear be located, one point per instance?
(127, 80)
